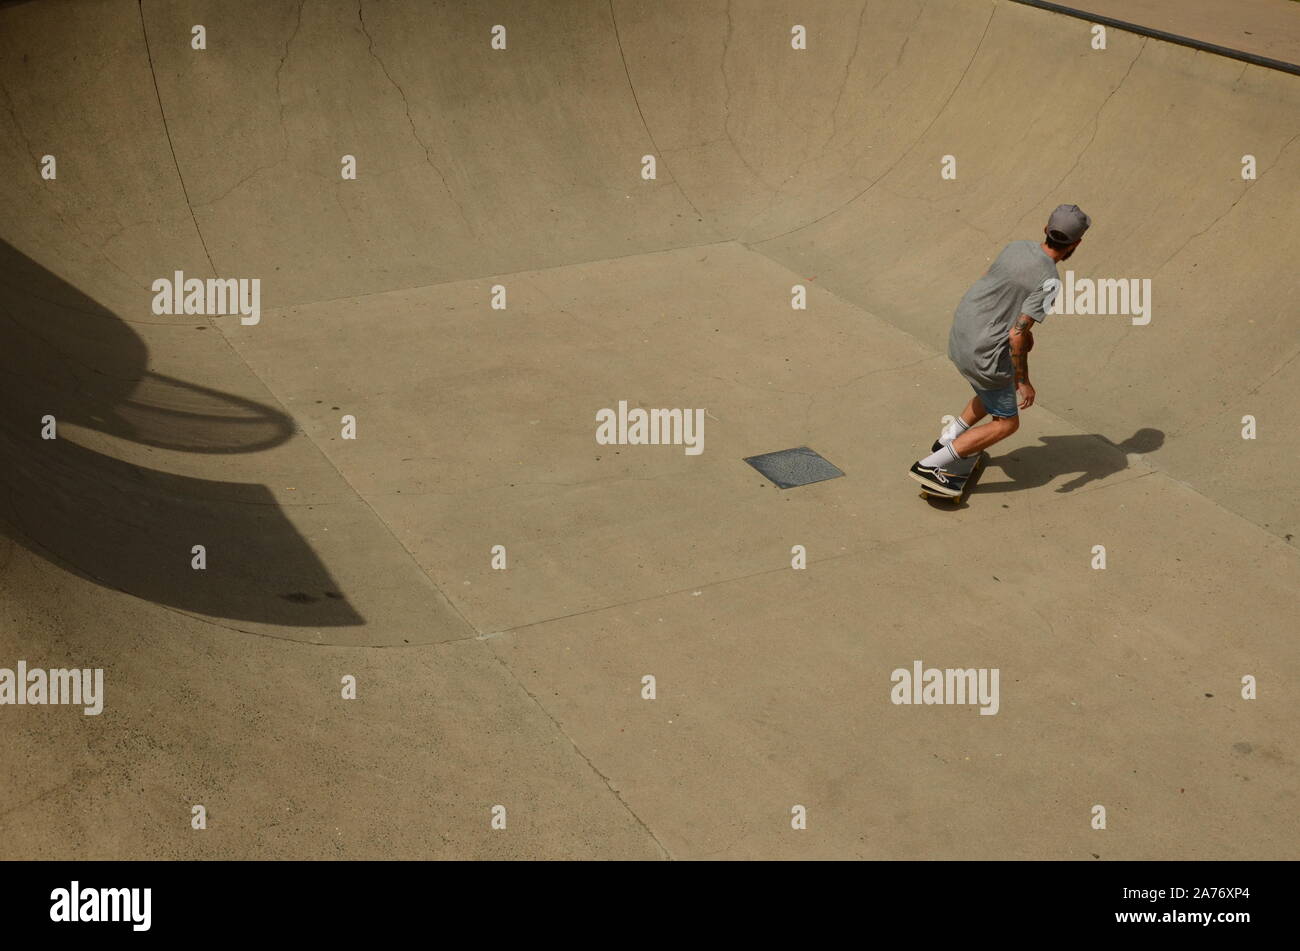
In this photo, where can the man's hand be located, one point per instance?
(1025, 394)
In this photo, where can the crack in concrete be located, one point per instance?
(124, 226)
(693, 146)
(153, 74)
(636, 101)
(288, 44)
(726, 104)
(906, 152)
(889, 369)
(812, 154)
(844, 83)
(13, 115)
(1096, 124)
(210, 202)
(1285, 363)
(578, 749)
(898, 57)
(406, 105)
(78, 777)
(1244, 192)
(1179, 250)
(936, 199)
(284, 138)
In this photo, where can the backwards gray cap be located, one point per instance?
(1067, 224)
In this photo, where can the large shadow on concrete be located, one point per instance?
(125, 526)
(1086, 458)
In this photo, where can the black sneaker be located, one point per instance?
(937, 479)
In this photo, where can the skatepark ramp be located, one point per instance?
(474, 225)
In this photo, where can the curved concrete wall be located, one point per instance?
(478, 166)
(476, 163)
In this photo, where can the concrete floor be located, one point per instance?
(371, 557)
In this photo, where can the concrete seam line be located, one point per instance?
(144, 29)
(1200, 45)
(636, 101)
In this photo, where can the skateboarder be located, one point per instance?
(991, 336)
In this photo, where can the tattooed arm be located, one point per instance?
(1022, 341)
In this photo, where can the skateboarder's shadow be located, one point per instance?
(1088, 458)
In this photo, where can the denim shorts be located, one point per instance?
(999, 402)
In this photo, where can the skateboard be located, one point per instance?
(974, 466)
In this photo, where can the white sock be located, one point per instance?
(944, 457)
(953, 430)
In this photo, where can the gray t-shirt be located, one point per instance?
(1015, 284)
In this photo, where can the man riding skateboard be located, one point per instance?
(990, 340)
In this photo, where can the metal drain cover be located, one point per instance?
(791, 467)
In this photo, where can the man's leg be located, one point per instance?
(1001, 404)
(974, 411)
(968, 417)
(978, 438)
(933, 471)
